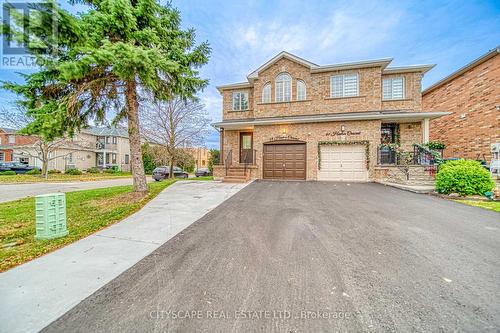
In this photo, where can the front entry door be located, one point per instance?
(246, 147)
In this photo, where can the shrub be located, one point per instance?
(73, 171)
(33, 172)
(54, 171)
(436, 145)
(93, 170)
(7, 173)
(113, 169)
(465, 177)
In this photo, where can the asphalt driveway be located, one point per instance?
(312, 256)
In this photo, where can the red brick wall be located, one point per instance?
(473, 98)
(20, 139)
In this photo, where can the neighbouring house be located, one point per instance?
(293, 119)
(200, 156)
(100, 147)
(10, 139)
(472, 95)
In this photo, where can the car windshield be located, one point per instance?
(16, 164)
(202, 169)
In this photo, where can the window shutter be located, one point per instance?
(301, 90)
(350, 85)
(236, 101)
(266, 94)
(397, 88)
(387, 89)
(336, 86)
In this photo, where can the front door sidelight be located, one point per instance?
(246, 147)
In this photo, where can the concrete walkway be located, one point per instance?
(36, 293)
(426, 188)
(9, 192)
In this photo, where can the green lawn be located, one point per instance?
(491, 205)
(87, 212)
(59, 177)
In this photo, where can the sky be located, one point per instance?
(245, 34)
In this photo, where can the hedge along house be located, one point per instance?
(295, 120)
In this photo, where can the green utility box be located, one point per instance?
(50, 216)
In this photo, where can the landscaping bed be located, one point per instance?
(87, 212)
(491, 205)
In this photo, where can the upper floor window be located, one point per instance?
(240, 101)
(114, 140)
(393, 88)
(283, 88)
(345, 85)
(266, 93)
(301, 90)
(12, 139)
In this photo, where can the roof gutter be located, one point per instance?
(347, 117)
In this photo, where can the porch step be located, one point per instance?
(236, 174)
(235, 179)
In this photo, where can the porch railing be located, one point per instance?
(248, 158)
(228, 160)
(419, 156)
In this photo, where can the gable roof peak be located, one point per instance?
(282, 54)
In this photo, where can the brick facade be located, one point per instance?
(6, 146)
(473, 97)
(318, 102)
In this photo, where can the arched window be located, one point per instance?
(283, 88)
(301, 90)
(266, 93)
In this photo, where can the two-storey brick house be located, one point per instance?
(9, 138)
(293, 119)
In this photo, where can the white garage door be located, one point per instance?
(343, 163)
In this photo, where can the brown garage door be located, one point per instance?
(285, 161)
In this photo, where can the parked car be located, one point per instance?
(202, 172)
(162, 172)
(17, 167)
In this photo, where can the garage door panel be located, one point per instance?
(343, 163)
(284, 161)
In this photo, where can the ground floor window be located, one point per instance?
(389, 133)
(24, 160)
(127, 159)
(2, 156)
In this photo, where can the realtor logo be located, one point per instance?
(19, 19)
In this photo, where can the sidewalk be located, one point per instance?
(9, 192)
(36, 293)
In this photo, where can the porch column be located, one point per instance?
(425, 130)
(221, 137)
(104, 159)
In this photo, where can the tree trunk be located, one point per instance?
(45, 160)
(171, 174)
(140, 184)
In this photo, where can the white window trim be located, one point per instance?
(240, 108)
(394, 98)
(267, 85)
(305, 90)
(343, 85)
(11, 139)
(276, 88)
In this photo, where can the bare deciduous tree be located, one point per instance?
(173, 125)
(37, 148)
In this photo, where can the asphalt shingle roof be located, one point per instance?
(107, 131)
